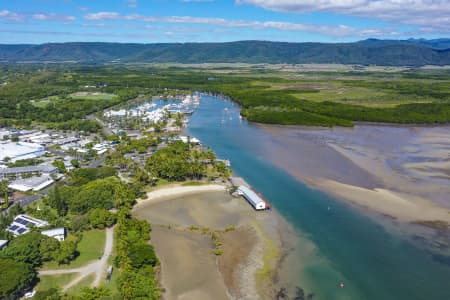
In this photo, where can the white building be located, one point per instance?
(101, 148)
(3, 244)
(20, 150)
(29, 170)
(22, 224)
(253, 198)
(35, 183)
(57, 233)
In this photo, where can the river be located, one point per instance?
(337, 244)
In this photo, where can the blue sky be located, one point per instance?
(149, 21)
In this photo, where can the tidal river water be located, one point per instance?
(336, 244)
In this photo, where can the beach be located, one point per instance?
(183, 219)
(400, 172)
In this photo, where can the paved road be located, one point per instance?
(98, 267)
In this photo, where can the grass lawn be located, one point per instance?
(194, 183)
(54, 281)
(90, 248)
(86, 282)
(91, 96)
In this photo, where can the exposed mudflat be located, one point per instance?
(402, 172)
(182, 225)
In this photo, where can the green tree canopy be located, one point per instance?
(15, 276)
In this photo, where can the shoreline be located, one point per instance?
(180, 215)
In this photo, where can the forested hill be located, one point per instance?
(368, 52)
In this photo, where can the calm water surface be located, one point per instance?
(348, 247)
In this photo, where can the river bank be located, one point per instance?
(184, 219)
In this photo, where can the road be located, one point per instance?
(98, 268)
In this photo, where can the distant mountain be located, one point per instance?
(367, 52)
(439, 44)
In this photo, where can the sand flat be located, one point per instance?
(404, 207)
(188, 269)
(185, 250)
(393, 170)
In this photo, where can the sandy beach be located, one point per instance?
(183, 219)
(402, 172)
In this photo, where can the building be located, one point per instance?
(35, 183)
(3, 244)
(29, 170)
(22, 224)
(57, 233)
(253, 198)
(20, 150)
(101, 148)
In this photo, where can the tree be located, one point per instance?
(138, 285)
(49, 248)
(4, 193)
(60, 165)
(94, 293)
(57, 202)
(75, 163)
(101, 218)
(25, 248)
(15, 276)
(66, 252)
(141, 255)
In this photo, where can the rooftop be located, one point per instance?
(22, 223)
(20, 150)
(28, 169)
(35, 183)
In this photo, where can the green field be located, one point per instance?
(54, 281)
(90, 248)
(92, 96)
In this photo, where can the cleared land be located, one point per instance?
(91, 96)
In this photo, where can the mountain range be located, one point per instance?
(411, 52)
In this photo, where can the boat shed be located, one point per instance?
(253, 198)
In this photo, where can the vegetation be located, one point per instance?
(392, 53)
(14, 277)
(25, 162)
(267, 94)
(135, 258)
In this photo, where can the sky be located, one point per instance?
(155, 21)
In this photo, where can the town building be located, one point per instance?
(23, 223)
(57, 233)
(12, 173)
(14, 151)
(35, 183)
(253, 198)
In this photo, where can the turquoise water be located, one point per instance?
(350, 248)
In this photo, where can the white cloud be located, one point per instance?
(6, 14)
(338, 31)
(423, 13)
(102, 16)
(52, 17)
